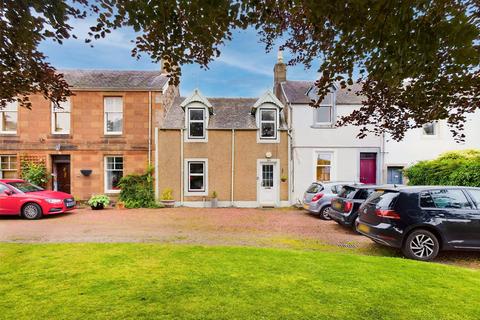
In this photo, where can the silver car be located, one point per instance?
(318, 197)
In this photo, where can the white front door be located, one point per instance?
(268, 183)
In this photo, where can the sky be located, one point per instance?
(243, 69)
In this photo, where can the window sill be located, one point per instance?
(60, 136)
(113, 135)
(196, 194)
(8, 134)
(323, 126)
(113, 192)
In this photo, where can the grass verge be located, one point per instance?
(151, 281)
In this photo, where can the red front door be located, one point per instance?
(368, 168)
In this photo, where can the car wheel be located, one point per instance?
(31, 211)
(324, 213)
(421, 245)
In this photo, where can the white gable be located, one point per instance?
(268, 97)
(197, 96)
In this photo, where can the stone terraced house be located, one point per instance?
(104, 131)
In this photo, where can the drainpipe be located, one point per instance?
(233, 168)
(156, 164)
(149, 128)
(181, 167)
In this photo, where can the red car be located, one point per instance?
(19, 197)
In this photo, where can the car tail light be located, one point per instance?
(317, 197)
(391, 214)
(347, 206)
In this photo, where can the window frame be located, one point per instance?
(435, 130)
(106, 170)
(105, 126)
(274, 121)
(53, 118)
(203, 121)
(331, 106)
(9, 108)
(315, 164)
(187, 174)
(9, 156)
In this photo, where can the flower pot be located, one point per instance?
(214, 203)
(168, 203)
(99, 206)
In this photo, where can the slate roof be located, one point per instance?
(114, 79)
(228, 113)
(296, 93)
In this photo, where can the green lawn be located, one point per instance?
(151, 281)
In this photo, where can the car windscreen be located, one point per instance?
(383, 199)
(363, 194)
(314, 188)
(347, 192)
(25, 186)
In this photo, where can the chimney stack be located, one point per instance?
(280, 70)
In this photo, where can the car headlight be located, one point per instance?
(54, 201)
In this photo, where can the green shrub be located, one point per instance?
(97, 199)
(167, 194)
(451, 168)
(35, 173)
(137, 191)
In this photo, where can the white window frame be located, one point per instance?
(204, 122)
(64, 104)
(9, 107)
(105, 127)
(8, 156)
(187, 190)
(276, 121)
(330, 105)
(332, 163)
(106, 170)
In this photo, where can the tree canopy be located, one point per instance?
(418, 60)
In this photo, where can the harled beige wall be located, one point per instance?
(218, 151)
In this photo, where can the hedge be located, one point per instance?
(460, 168)
(137, 191)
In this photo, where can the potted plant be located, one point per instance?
(98, 201)
(214, 199)
(167, 198)
(283, 178)
(120, 205)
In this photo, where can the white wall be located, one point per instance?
(342, 141)
(416, 147)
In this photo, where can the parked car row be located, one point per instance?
(419, 220)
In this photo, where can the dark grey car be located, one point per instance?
(318, 197)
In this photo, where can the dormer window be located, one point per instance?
(268, 124)
(196, 123)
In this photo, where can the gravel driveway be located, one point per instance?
(287, 228)
(227, 226)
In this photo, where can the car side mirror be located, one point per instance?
(8, 192)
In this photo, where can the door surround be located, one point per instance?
(276, 181)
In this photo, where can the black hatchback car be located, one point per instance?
(423, 220)
(344, 208)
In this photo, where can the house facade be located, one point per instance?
(427, 143)
(102, 132)
(321, 151)
(236, 148)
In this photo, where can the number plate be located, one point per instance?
(69, 203)
(363, 228)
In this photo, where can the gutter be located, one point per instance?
(233, 169)
(156, 165)
(291, 164)
(181, 167)
(149, 128)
